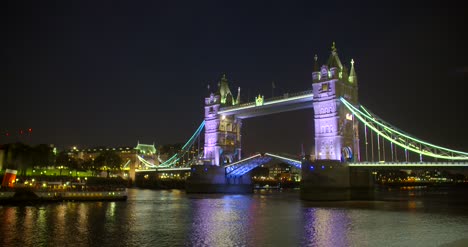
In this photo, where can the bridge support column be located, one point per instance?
(212, 179)
(331, 180)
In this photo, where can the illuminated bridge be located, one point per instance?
(350, 140)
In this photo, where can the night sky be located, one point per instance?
(111, 73)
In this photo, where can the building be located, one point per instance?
(138, 157)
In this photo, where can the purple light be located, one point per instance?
(323, 167)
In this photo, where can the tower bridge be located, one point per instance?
(340, 169)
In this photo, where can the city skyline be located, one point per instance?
(110, 74)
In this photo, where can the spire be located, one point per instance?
(208, 88)
(238, 96)
(316, 65)
(224, 90)
(352, 75)
(334, 60)
(333, 48)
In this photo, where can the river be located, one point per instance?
(265, 218)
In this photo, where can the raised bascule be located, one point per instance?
(337, 171)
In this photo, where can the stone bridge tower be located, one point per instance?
(222, 133)
(336, 131)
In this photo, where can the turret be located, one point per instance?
(352, 75)
(316, 70)
(334, 60)
(225, 92)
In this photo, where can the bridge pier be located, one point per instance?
(212, 179)
(332, 180)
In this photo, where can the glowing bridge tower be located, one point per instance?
(329, 176)
(222, 133)
(222, 146)
(336, 132)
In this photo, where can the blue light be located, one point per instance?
(206, 169)
(323, 167)
(312, 167)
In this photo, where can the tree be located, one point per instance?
(19, 157)
(75, 164)
(42, 156)
(62, 160)
(108, 160)
(87, 164)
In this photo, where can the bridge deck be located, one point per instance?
(287, 102)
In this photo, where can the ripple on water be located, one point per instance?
(172, 218)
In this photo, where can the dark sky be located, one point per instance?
(92, 73)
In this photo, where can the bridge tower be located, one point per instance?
(329, 177)
(336, 132)
(222, 133)
(222, 146)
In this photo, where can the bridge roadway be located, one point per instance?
(287, 102)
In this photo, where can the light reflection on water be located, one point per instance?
(172, 218)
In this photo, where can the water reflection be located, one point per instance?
(325, 227)
(172, 218)
(217, 221)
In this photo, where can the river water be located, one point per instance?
(265, 218)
